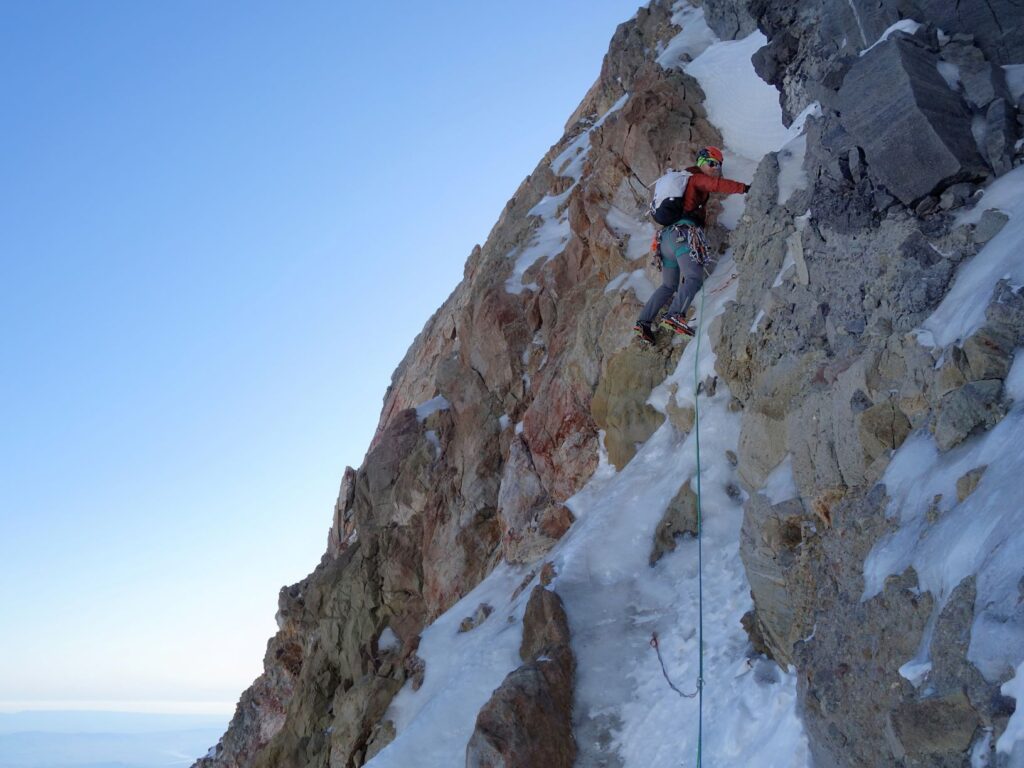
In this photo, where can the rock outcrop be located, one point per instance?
(831, 377)
(495, 415)
(491, 422)
(528, 720)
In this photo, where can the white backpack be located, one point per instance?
(667, 205)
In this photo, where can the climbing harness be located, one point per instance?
(691, 235)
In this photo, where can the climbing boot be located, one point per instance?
(643, 332)
(677, 324)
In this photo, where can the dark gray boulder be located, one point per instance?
(729, 19)
(915, 131)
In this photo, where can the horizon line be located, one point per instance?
(128, 707)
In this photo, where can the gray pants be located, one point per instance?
(680, 275)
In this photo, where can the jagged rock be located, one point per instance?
(415, 670)
(975, 405)
(989, 354)
(935, 726)
(967, 484)
(991, 23)
(528, 720)
(544, 623)
(547, 574)
(681, 416)
(916, 133)
(470, 623)
(1000, 136)
(680, 519)
(990, 225)
(952, 374)
(762, 447)
(531, 522)
(343, 525)
(356, 710)
(729, 19)
(383, 734)
(981, 80)
(753, 629)
(955, 196)
(1005, 312)
(620, 404)
(772, 545)
(427, 512)
(882, 429)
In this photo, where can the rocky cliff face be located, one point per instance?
(499, 412)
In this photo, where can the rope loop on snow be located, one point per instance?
(655, 645)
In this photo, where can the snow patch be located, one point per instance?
(962, 311)
(740, 103)
(432, 406)
(388, 640)
(1015, 80)
(639, 233)
(1012, 740)
(908, 26)
(569, 161)
(695, 38)
(781, 486)
(548, 241)
(636, 281)
(462, 670)
(950, 73)
(946, 540)
(792, 176)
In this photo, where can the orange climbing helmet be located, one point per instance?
(710, 153)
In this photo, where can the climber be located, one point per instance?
(679, 207)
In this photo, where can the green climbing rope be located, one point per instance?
(700, 537)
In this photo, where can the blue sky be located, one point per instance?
(221, 226)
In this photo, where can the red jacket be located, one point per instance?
(700, 187)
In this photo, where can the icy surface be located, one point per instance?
(615, 601)
(548, 241)
(962, 311)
